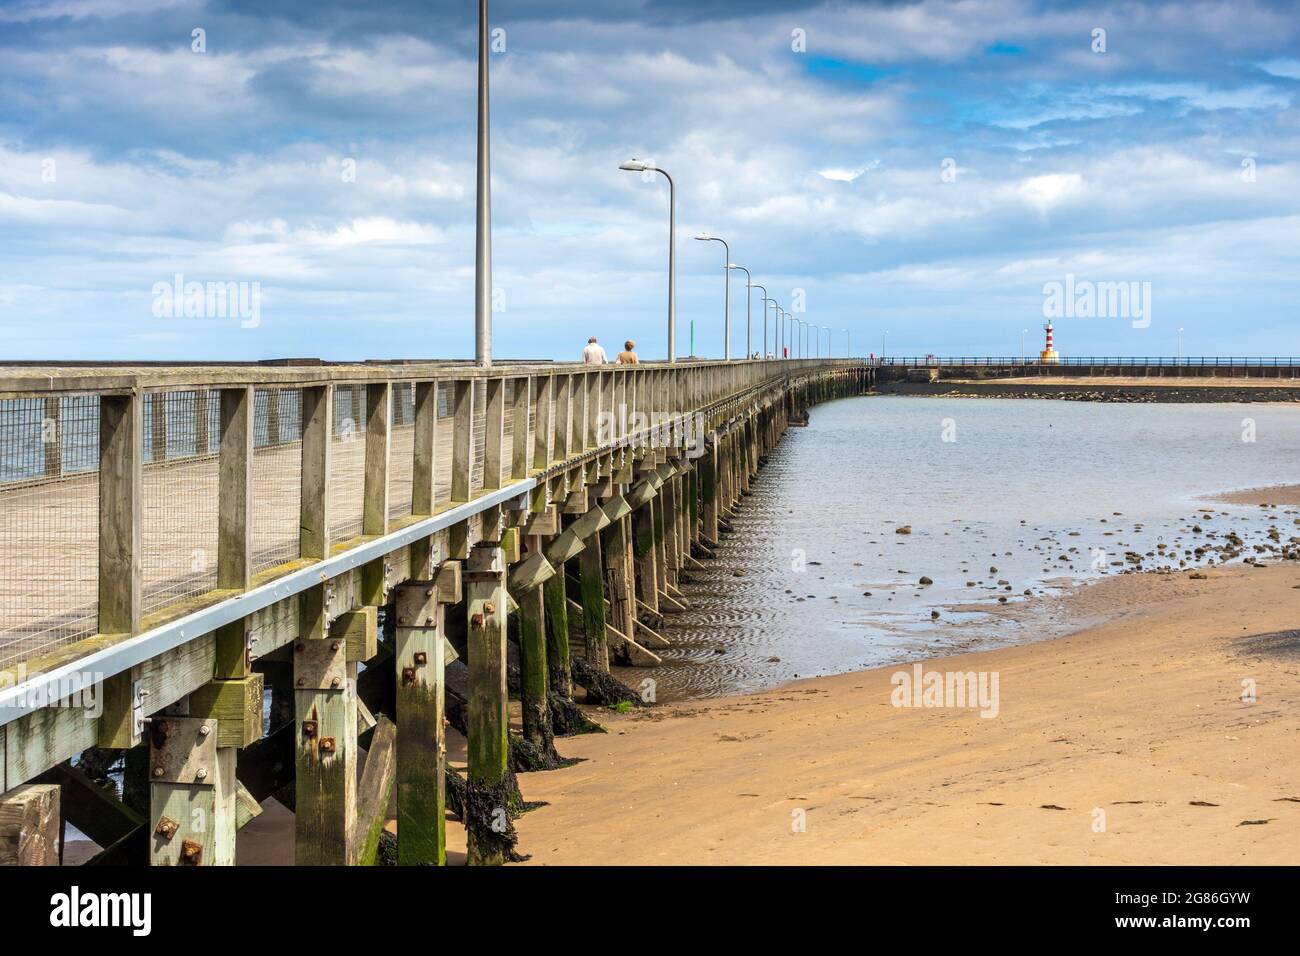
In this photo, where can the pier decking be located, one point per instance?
(182, 542)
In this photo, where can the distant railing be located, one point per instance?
(1216, 361)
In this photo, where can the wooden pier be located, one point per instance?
(367, 552)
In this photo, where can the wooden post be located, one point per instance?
(533, 670)
(485, 601)
(375, 790)
(317, 423)
(591, 595)
(669, 536)
(379, 416)
(192, 789)
(543, 421)
(30, 826)
(424, 498)
(325, 717)
(555, 612)
(462, 461)
(121, 484)
(235, 490)
(619, 586)
(708, 471)
(421, 738)
(520, 405)
(646, 550)
(494, 432)
(52, 437)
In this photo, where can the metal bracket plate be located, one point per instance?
(319, 664)
(183, 750)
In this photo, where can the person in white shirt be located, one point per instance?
(593, 354)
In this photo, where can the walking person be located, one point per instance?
(593, 354)
(628, 356)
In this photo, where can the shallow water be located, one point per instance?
(984, 483)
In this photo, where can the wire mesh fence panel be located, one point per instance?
(277, 476)
(401, 451)
(179, 499)
(347, 462)
(49, 524)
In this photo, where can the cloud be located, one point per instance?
(326, 150)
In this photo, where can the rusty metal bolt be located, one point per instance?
(191, 853)
(334, 682)
(302, 681)
(309, 729)
(428, 592)
(204, 730)
(421, 658)
(201, 773)
(327, 745)
(167, 828)
(476, 620)
(408, 676)
(158, 771)
(489, 607)
(334, 645)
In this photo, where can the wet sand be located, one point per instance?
(1126, 743)
(1283, 495)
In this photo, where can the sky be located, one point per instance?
(923, 175)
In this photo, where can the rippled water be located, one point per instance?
(1020, 484)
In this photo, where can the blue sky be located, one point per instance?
(126, 158)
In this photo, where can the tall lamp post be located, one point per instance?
(483, 206)
(636, 166)
(1180, 345)
(749, 321)
(726, 300)
(827, 330)
(1022, 345)
(765, 300)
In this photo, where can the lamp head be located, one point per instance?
(634, 166)
(704, 237)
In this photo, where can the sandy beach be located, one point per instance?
(1126, 743)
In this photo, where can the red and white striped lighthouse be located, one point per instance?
(1049, 355)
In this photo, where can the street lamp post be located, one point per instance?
(726, 301)
(483, 206)
(827, 330)
(755, 285)
(636, 166)
(1022, 345)
(1180, 345)
(749, 321)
